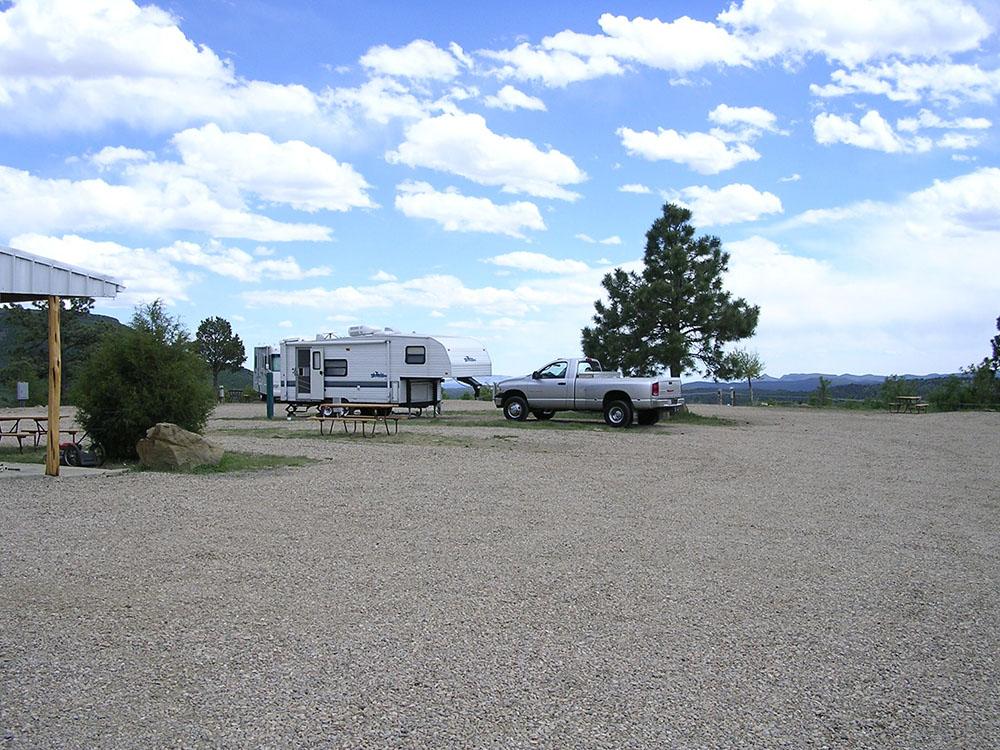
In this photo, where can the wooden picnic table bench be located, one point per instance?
(906, 404)
(364, 420)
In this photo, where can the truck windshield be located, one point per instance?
(555, 370)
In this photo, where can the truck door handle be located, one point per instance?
(561, 382)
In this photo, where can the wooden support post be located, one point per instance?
(55, 386)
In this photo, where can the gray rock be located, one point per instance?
(167, 446)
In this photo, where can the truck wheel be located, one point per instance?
(648, 417)
(515, 409)
(541, 416)
(618, 413)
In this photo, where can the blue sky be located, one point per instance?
(475, 169)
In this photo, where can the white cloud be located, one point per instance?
(285, 324)
(172, 202)
(635, 188)
(555, 68)
(420, 59)
(380, 100)
(958, 141)
(239, 264)
(381, 275)
(913, 82)
(510, 98)
(860, 298)
(585, 238)
(71, 65)
(292, 173)
(728, 205)
(110, 155)
(755, 117)
(612, 240)
(856, 31)
(462, 144)
(462, 213)
(870, 132)
(927, 119)
(702, 152)
(525, 261)
(794, 177)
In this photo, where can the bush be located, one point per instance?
(139, 376)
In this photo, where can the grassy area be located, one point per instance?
(236, 461)
(30, 455)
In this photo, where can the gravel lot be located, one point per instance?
(792, 579)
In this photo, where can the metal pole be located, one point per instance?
(270, 394)
(55, 385)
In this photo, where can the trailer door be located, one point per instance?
(309, 374)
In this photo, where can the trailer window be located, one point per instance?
(335, 368)
(416, 355)
(275, 362)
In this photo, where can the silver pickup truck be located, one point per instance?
(582, 385)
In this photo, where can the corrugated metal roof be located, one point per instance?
(25, 277)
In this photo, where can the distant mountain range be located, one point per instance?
(802, 381)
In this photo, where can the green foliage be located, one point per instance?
(821, 396)
(950, 395)
(676, 312)
(142, 375)
(26, 345)
(741, 364)
(219, 347)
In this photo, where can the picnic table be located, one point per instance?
(360, 414)
(907, 404)
(35, 426)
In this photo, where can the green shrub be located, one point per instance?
(139, 376)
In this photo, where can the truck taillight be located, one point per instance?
(656, 389)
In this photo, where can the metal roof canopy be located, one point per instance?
(25, 277)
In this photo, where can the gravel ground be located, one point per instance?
(793, 579)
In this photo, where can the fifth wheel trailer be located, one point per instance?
(368, 366)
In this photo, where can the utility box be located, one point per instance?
(22, 394)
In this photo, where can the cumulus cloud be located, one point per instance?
(35, 204)
(381, 275)
(291, 173)
(68, 65)
(900, 81)
(526, 261)
(757, 118)
(856, 31)
(635, 187)
(110, 155)
(554, 68)
(164, 272)
(926, 119)
(510, 98)
(462, 213)
(728, 205)
(463, 144)
(870, 132)
(420, 59)
(702, 152)
(380, 100)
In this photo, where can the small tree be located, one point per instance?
(219, 347)
(141, 375)
(821, 396)
(740, 364)
(674, 314)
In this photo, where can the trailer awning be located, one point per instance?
(25, 277)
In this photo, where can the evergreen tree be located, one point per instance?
(219, 347)
(676, 312)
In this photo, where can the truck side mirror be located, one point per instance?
(536, 375)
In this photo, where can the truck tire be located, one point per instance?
(515, 409)
(618, 413)
(648, 417)
(541, 416)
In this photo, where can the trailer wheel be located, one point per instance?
(71, 454)
(515, 409)
(648, 417)
(541, 416)
(618, 413)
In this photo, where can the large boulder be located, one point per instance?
(167, 446)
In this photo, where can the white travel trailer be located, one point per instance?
(368, 366)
